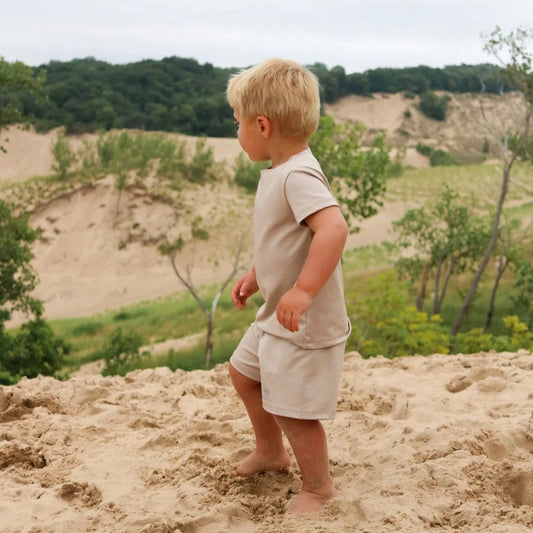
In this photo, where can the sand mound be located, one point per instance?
(29, 153)
(474, 123)
(88, 263)
(434, 443)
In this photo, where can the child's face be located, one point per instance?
(251, 137)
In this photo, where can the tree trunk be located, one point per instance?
(209, 340)
(502, 265)
(423, 284)
(444, 288)
(436, 289)
(488, 252)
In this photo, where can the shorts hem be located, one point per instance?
(243, 369)
(299, 414)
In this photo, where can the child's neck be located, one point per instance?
(284, 148)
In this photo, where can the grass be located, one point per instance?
(172, 317)
(480, 183)
(178, 315)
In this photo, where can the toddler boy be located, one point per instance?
(287, 366)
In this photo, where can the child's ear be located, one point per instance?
(264, 126)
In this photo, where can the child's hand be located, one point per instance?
(293, 304)
(244, 287)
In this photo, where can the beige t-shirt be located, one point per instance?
(286, 195)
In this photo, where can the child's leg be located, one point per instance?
(270, 453)
(308, 441)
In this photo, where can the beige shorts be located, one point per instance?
(296, 382)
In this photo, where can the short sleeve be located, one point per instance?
(307, 194)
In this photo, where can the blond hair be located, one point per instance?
(281, 90)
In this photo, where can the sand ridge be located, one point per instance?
(436, 443)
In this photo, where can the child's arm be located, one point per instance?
(244, 287)
(329, 237)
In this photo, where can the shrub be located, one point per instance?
(437, 157)
(433, 106)
(200, 167)
(410, 332)
(424, 149)
(64, 157)
(475, 340)
(34, 350)
(478, 340)
(441, 158)
(121, 351)
(198, 232)
(247, 173)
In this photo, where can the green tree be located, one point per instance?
(518, 70)
(523, 283)
(17, 276)
(64, 157)
(447, 239)
(171, 251)
(15, 77)
(121, 351)
(357, 174)
(34, 349)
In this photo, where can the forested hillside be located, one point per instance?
(182, 95)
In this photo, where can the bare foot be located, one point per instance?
(310, 502)
(256, 463)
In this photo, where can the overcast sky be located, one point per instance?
(356, 34)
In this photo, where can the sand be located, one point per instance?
(437, 443)
(89, 262)
(29, 154)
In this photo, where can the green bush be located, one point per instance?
(200, 168)
(437, 157)
(441, 158)
(424, 149)
(34, 350)
(247, 173)
(197, 231)
(121, 351)
(433, 106)
(473, 341)
(410, 332)
(478, 340)
(64, 157)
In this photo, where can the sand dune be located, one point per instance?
(29, 154)
(88, 262)
(438, 443)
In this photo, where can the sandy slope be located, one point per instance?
(84, 267)
(438, 443)
(29, 154)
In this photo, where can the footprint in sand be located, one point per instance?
(80, 494)
(520, 488)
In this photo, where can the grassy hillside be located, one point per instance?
(369, 276)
